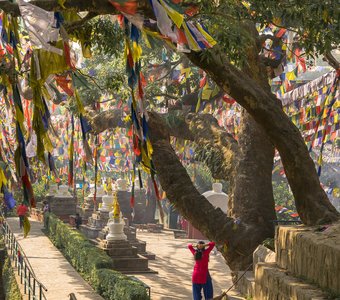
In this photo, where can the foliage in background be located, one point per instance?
(40, 190)
(283, 197)
(94, 264)
(201, 176)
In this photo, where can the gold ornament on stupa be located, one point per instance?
(109, 187)
(116, 207)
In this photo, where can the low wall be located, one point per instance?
(272, 282)
(306, 266)
(311, 254)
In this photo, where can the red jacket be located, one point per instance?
(22, 210)
(199, 275)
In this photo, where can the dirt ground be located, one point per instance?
(174, 264)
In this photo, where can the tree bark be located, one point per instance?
(311, 201)
(212, 222)
(247, 164)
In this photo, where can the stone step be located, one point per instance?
(140, 245)
(121, 252)
(138, 263)
(246, 285)
(114, 244)
(311, 254)
(148, 255)
(89, 232)
(271, 282)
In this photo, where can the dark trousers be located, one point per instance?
(207, 289)
(21, 221)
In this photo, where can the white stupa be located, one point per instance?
(217, 198)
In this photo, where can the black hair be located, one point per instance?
(199, 252)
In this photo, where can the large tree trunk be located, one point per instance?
(246, 164)
(251, 194)
(311, 201)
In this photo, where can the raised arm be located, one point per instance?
(191, 248)
(211, 246)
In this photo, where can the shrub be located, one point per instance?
(94, 264)
(10, 285)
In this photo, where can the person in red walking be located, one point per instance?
(200, 277)
(21, 212)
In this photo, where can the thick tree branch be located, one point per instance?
(97, 6)
(216, 148)
(191, 204)
(266, 110)
(106, 119)
(332, 61)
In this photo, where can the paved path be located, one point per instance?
(174, 264)
(50, 266)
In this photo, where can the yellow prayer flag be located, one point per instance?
(27, 226)
(290, 75)
(175, 16)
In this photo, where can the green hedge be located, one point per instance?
(94, 264)
(10, 286)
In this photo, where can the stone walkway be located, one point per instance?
(174, 264)
(50, 266)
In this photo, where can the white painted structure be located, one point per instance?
(107, 201)
(63, 191)
(100, 192)
(217, 198)
(53, 189)
(121, 184)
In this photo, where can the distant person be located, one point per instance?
(200, 277)
(22, 210)
(78, 220)
(46, 210)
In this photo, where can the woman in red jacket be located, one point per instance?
(200, 277)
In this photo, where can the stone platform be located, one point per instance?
(130, 232)
(87, 209)
(95, 224)
(125, 257)
(62, 206)
(306, 266)
(310, 253)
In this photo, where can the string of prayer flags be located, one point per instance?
(329, 109)
(27, 226)
(132, 198)
(44, 31)
(95, 155)
(8, 199)
(71, 155)
(20, 157)
(125, 6)
(188, 35)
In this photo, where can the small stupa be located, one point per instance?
(87, 209)
(124, 256)
(63, 204)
